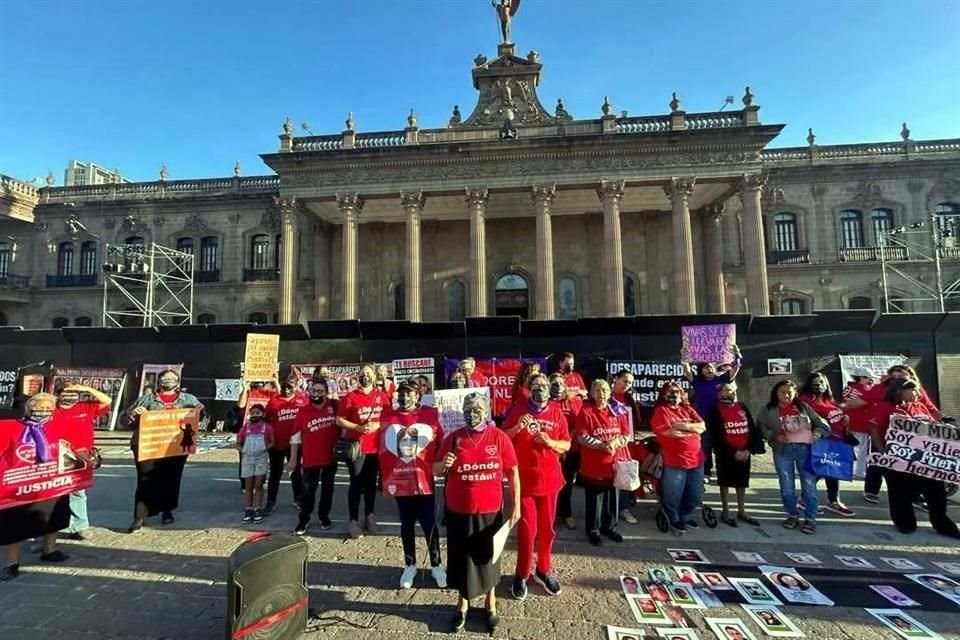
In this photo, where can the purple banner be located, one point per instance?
(708, 342)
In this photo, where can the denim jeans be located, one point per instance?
(78, 512)
(789, 460)
(681, 491)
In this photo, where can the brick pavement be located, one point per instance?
(170, 582)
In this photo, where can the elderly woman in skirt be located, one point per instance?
(475, 459)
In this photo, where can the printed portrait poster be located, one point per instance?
(894, 596)
(166, 433)
(754, 591)
(709, 342)
(406, 459)
(500, 374)
(108, 381)
(773, 621)
(149, 373)
(342, 377)
(623, 633)
(947, 587)
(648, 377)
(729, 629)
(420, 369)
(25, 480)
(904, 625)
(793, 587)
(449, 405)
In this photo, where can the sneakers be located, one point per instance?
(9, 572)
(627, 516)
(872, 498)
(54, 556)
(519, 588)
(439, 576)
(371, 524)
(325, 523)
(550, 584)
(301, 528)
(167, 518)
(678, 528)
(803, 507)
(247, 515)
(612, 534)
(258, 515)
(922, 505)
(791, 523)
(693, 524)
(408, 576)
(355, 530)
(841, 509)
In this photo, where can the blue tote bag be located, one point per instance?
(831, 458)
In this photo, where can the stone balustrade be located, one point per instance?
(17, 187)
(161, 189)
(867, 151)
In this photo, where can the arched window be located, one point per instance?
(630, 290)
(792, 307)
(185, 245)
(860, 302)
(896, 305)
(882, 220)
(60, 323)
(512, 295)
(456, 300)
(948, 219)
(258, 317)
(209, 248)
(785, 232)
(6, 257)
(83, 321)
(206, 318)
(399, 302)
(567, 306)
(851, 229)
(137, 241)
(260, 251)
(88, 258)
(65, 259)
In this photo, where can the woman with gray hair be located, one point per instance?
(475, 459)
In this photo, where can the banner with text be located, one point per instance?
(925, 449)
(261, 356)
(422, 369)
(449, 404)
(648, 377)
(148, 376)
(8, 387)
(709, 342)
(108, 381)
(878, 365)
(166, 433)
(499, 375)
(342, 377)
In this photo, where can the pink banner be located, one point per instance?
(925, 449)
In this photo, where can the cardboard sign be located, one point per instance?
(878, 365)
(261, 356)
(649, 377)
(499, 374)
(709, 342)
(166, 433)
(418, 368)
(108, 381)
(925, 449)
(8, 387)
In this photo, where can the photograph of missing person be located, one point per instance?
(903, 625)
(690, 556)
(773, 621)
(682, 596)
(855, 562)
(658, 591)
(686, 574)
(754, 592)
(707, 597)
(715, 581)
(729, 629)
(659, 575)
(940, 584)
(802, 558)
(749, 557)
(793, 587)
(894, 596)
(903, 564)
(949, 567)
(623, 633)
(677, 634)
(646, 610)
(630, 585)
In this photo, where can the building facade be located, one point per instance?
(514, 209)
(79, 173)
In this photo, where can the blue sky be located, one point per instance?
(198, 84)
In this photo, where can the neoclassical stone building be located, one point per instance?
(512, 209)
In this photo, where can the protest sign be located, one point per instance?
(166, 433)
(24, 480)
(421, 369)
(8, 387)
(260, 357)
(342, 378)
(406, 458)
(925, 449)
(499, 375)
(709, 342)
(31, 384)
(779, 366)
(449, 405)
(149, 373)
(108, 381)
(649, 377)
(878, 365)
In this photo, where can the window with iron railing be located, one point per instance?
(882, 220)
(260, 252)
(851, 229)
(6, 256)
(88, 258)
(785, 232)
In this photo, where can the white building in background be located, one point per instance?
(85, 173)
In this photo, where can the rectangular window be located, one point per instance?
(260, 252)
(208, 254)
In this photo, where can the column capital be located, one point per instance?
(611, 189)
(412, 200)
(477, 196)
(349, 202)
(680, 187)
(543, 194)
(714, 212)
(751, 182)
(288, 205)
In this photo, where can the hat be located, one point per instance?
(258, 405)
(409, 386)
(862, 372)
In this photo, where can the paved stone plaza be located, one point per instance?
(169, 583)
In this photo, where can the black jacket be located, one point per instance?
(718, 434)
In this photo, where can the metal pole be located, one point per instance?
(935, 234)
(106, 278)
(883, 270)
(148, 317)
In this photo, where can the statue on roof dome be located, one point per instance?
(505, 9)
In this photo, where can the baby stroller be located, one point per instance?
(647, 451)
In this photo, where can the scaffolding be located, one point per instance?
(908, 248)
(147, 286)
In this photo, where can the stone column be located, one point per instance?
(412, 204)
(477, 198)
(542, 197)
(610, 193)
(350, 204)
(288, 260)
(713, 242)
(754, 246)
(684, 292)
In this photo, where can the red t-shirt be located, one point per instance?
(360, 408)
(682, 453)
(860, 416)
(881, 412)
(318, 431)
(282, 415)
(476, 379)
(879, 391)
(736, 427)
(604, 425)
(540, 472)
(475, 481)
(574, 382)
(79, 419)
(407, 466)
(829, 411)
(521, 396)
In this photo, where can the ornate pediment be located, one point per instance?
(196, 224)
(868, 193)
(508, 91)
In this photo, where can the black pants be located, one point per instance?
(833, 489)
(324, 477)
(903, 489)
(364, 478)
(706, 445)
(601, 507)
(278, 458)
(422, 509)
(570, 466)
(873, 480)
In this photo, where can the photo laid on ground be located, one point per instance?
(803, 558)
(940, 584)
(894, 595)
(773, 621)
(715, 581)
(690, 556)
(793, 587)
(646, 610)
(623, 633)
(903, 624)
(630, 585)
(754, 591)
(729, 629)
(749, 557)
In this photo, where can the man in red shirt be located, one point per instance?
(314, 435)
(81, 415)
(572, 379)
(358, 414)
(540, 436)
(282, 412)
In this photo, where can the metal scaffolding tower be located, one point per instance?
(147, 286)
(915, 246)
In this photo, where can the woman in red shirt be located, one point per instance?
(358, 414)
(475, 460)
(315, 433)
(409, 439)
(540, 436)
(603, 437)
(903, 489)
(678, 426)
(521, 384)
(570, 461)
(816, 393)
